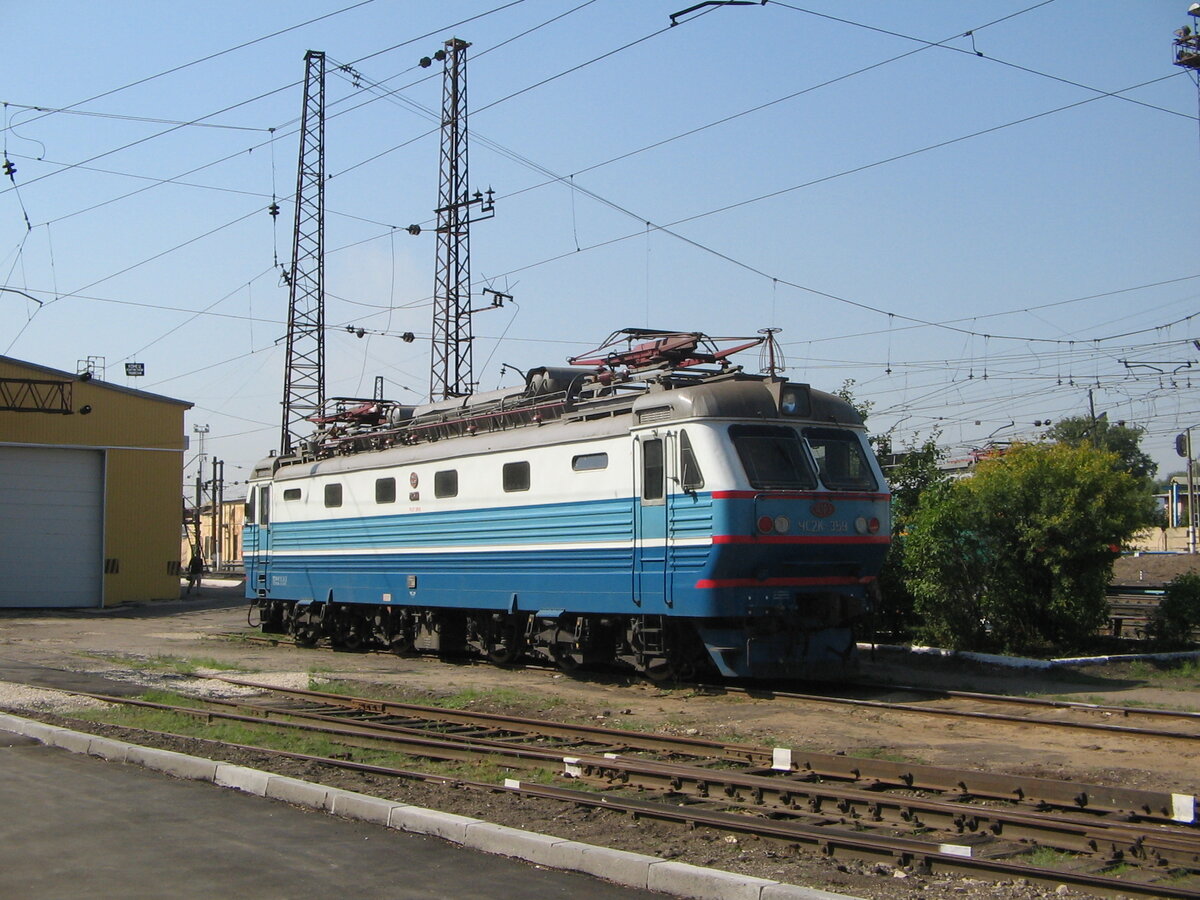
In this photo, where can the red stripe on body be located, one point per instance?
(797, 495)
(815, 580)
(801, 539)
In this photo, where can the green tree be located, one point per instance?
(915, 472)
(1123, 440)
(1019, 555)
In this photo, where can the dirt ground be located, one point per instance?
(131, 644)
(1153, 569)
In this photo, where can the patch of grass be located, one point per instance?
(882, 753)
(1049, 858)
(490, 697)
(267, 736)
(162, 662)
(1139, 668)
(1180, 674)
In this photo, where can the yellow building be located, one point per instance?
(90, 481)
(220, 535)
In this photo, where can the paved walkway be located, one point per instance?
(76, 826)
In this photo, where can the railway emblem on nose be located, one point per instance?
(821, 509)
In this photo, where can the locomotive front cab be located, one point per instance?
(799, 538)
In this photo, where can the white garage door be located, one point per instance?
(51, 527)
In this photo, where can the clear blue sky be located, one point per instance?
(976, 240)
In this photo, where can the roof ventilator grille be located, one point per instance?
(654, 414)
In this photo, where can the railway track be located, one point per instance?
(925, 816)
(1183, 724)
(1169, 725)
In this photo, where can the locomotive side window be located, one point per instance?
(693, 478)
(385, 490)
(653, 469)
(264, 505)
(516, 477)
(250, 507)
(291, 494)
(445, 484)
(840, 457)
(587, 461)
(772, 457)
(333, 495)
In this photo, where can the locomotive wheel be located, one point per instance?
(306, 635)
(503, 654)
(506, 643)
(401, 643)
(661, 671)
(351, 641)
(564, 660)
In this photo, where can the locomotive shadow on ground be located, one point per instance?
(969, 675)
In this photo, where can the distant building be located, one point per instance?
(220, 534)
(89, 490)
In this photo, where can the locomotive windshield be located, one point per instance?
(840, 457)
(773, 457)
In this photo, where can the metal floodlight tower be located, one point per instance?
(304, 375)
(451, 372)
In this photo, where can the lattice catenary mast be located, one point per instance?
(451, 372)
(304, 375)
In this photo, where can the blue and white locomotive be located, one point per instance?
(654, 507)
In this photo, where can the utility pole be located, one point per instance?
(1191, 506)
(304, 374)
(217, 493)
(451, 373)
(1183, 446)
(197, 547)
(1092, 410)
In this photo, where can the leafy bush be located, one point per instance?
(1179, 612)
(1018, 556)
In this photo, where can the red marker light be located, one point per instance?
(765, 524)
(873, 525)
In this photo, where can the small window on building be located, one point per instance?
(693, 478)
(291, 494)
(385, 490)
(333, 495)
(653, 469)
(445, 484)
(516, 476)
(264, 505)
(587, 462)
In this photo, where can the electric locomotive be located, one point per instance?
(651, 506)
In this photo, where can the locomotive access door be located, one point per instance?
(651, 582)
(257, 556)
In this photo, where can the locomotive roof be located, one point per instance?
(728, 397)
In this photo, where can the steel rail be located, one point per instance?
(765, 693)
(1037, 792)
(622, 738)
(928, 856)
(1082, 835)
(955, 713)
(1038, 701)
(1112, 842)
